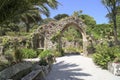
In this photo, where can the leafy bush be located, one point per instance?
(44, 54)
(18, 55)
(9, 55)
(56, 53)
(28, 53)
(105, 54)
(72, 50)
(13, 55)
(46, 57)
(90, 49)
(38, 51)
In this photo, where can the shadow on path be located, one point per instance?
(66, 71)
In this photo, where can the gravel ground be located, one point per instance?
(76, 67)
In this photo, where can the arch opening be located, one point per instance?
(81, 32)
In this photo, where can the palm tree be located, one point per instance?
(29, 18)
(33, 15)
(111, 6)
(9, 9)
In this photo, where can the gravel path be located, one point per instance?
(76, 67)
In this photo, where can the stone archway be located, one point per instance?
(81, 30)
(53, 28)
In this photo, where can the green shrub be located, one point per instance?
(38, 51)
(28, 53)
(90, 49)
(44, 54)
(105, 54)
(18, 55)
(44, 57)
(9, 55)
(69, 50)
(56, 53)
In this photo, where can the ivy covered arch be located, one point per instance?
(53, 30)
(81, 31)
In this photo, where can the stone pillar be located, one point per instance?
(1, 50)
(45, 43)
(85, 44)
(60, 45)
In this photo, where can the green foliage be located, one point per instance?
(28, 53)
(18, 55)
(72, 50)
(90, 49)
(61, 16)
(47, 20)
(11, 8)
(72, 34)
(38, 51)
(5, 40)
(102, 31)
(57, 54)
(9, 55)
(46, 57)
(89, 21)
(112, 6)
(105, 54)
(45, 54)
(56, 37)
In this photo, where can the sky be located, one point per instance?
(93, 8)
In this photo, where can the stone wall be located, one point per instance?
(25, 71)
(15, 69)
(114, 68)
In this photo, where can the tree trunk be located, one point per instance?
(115, 24)
(27, 27)
(115, 31)
(60, 45)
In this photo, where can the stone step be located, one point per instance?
(33, 75)
(10, 72)
(38, 73)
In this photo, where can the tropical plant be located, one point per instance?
(28, 53)
(111, 6)
(105, 54)
(46, 57)
(44, 54)
(28, 11)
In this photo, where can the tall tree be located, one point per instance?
(30, 17)
(29, 9)
(111, 6)
(12, 8)
(61, 16)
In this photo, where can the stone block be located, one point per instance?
(10, 72)
(114, 68)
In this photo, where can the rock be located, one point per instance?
(114, 68)
(13, 70)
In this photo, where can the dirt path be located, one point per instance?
(77, 67)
